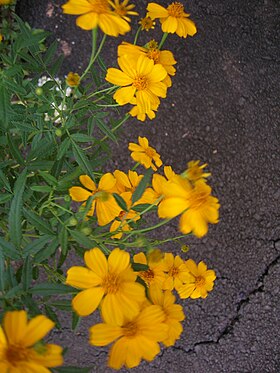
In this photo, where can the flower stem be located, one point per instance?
(136, 35)
(164, 36)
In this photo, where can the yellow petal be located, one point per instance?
(77, 7)
(107, 182)
(124, 95)
(82, 278)
(15, 324)
(79, 194)
(140, 258)
(170, 25)
(107, 211)
(189, 25)
(52, 357)
(36, 329)
(87, 301)
(144, 65)
(156, 11)
(96, 261)
(157, 74)
(118, 77)
(87, 21)
(118, 353)
(192, 267)
(171, 207)
(87, 182)
(118, 261)
(104, 334)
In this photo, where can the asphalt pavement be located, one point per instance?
(223, 109)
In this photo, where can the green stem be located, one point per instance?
(93, 49)
(164, 36)
(136, 35)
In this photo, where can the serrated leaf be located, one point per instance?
(82, 159)
(26, 276)
(5, 182)
(14, 150)
(142, 186)
(46, 252)
(46, 289)
(15, 214)
(5, 197)
(9, 250)
(121, 202)
(36, 245)
(82, 239)
(38, 222)
(63, 239)
(63, 147)
(105, 129)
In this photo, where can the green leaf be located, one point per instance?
(63, 147)
(82, 239)
(5, 106)
(80, 137)
(5, 182)
(46, 289)
(26, 276)
(46, 252)
(14, 150)
(41, 188)
(9, 249)
(137, 267)
(76, 319)
(15, 214)
(38, 222)
(2, 272)
(5, 197)
(63, 305)
(52, 315)
(105, 129)
(121, 202)
(143, 207)
(51, 180)
(142, 186)
(36, 245)
(82, 159)
(63, 239)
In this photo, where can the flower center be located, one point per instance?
(147, 276)
(100, 6)
(147, 23)
(15, 354)
(130, 329)
(154, 54)
(150, 152)
(122, 214)
(121, 10)
(176, 9)
(140, 83)
(174, 271)
(199, 281)
(111, 283)
(198, 199)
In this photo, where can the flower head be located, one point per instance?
(136, 337)
(108, 283)
(177, 272)
(200, 282)
(154, 275)
(173, 19)
(145, 154)
(21, 349)
(93, 13)
(140, 83)
(123, 9)
(195, 171)
(173, 313)
(195, 203)
(147, 23)
(104, 203)
(73, 79)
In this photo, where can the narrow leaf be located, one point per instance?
(142, 186)
(38, 222)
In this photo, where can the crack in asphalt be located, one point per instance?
(229, 327)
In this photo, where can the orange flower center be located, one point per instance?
(111, 283)
(176, 9)
(198, 199)
(147, 276)
(121, 10)
(122, 214)
(199, 281)
(100, 6)
(130, 329)
(154, 55)
(147, 23)
(15, 354)
(140, 83)
(150, 152)
(174, 271)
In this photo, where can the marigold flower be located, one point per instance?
(155, 274)
(120, 223)
(200, 282)
(136, 111)
(136, 338)
(142, 82)
(123, 9)
(127, 183)
(108, 283)
(195, 171)
(147, 23)
(6, 2)
(177, 272)
(145, 154)
(21, 349)
(106, 206)
(195, 203)
(95, 13)
(73, 79)
(173, 19)
(150, 50)
(173, 313)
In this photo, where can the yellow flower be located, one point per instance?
(123, 9)
(136, 338)
(145, 154)
(1, 38)
(121, 222)
(6, 2)
(21, 349)
(201, 281)
(142, 81)
(173, 313)
(106, 206)
(147, 23)
(95, 13)
(173, 19)
(155, 274)
(108, 283)
(195, 171)
(73, 79)
(136, 111)
(177, 272)
(197, 206)
(127, 183)
(150, 50)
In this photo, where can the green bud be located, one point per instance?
(86, 230)
(67, 198)
(58, 132)
(72, 222)
(39, 91)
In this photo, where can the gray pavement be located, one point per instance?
(223, 108)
